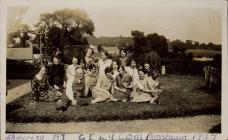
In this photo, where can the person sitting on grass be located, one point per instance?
(75, 86)
(144, 91)
(123, 85)
(133, 71)
(90, 79)
(41, 90)
(56, 74)
(115, 67)
(151, 74)
(102, 91)
(70, 71)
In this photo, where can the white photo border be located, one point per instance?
(3, 14)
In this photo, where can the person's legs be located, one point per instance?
(97, 100)
(112, 98)
(154, 99)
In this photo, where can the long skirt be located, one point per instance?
(97, 93)
(46, 96)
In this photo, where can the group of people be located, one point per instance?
(104, 81)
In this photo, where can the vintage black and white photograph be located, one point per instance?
(114, 66)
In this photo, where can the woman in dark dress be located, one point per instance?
(123, 85)
(41, 90)
(56, 74)
(123, 57)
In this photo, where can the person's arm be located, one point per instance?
(68, 72)
(87, 85)
(69, 90)
(117, 88)
(128, 86)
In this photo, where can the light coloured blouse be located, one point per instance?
(115, 73)
(105, 83)
(133, 73)
(102, 65)
(70, 72)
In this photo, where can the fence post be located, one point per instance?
(163, 70)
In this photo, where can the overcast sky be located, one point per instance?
(194, 20)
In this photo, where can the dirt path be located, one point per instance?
(16, 89)
(201, 123)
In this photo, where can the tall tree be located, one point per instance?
(157, 43)
(67, 26)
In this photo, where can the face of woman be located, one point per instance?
(133, 64)
(56, 61)
(115, 65)
(89, 52)
(103, 56)
(141, 75)
(121, 71)
(42, 71)
(123, 54)
(93, 70)
(126, 83)
(147, 66)
(79, 73)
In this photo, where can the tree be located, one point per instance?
(64, 27)
(14, 25)
(157, 43)
(138, 38)
(21, 34)
(178, 46)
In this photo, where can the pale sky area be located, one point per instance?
(194, 20)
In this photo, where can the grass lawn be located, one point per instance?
(182, 96)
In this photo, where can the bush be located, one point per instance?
(178, 66)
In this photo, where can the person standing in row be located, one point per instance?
(89, 59)
(123, 57)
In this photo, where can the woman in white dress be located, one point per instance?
(103, 63)
(89, 59)
(144, 91)
(102, 91)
